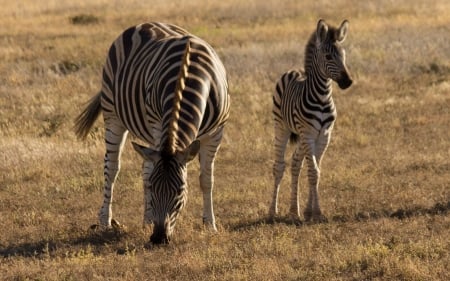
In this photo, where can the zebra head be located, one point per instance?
(330, 54)
(165, 187)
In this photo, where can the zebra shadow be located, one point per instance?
(123, 242)
(96, 241)
(438, 209)
(264, 221)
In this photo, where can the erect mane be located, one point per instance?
(171, 145)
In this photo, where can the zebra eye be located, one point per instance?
(328, 57)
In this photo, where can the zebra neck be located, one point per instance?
(318, 86)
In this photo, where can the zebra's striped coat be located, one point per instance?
(169, 89)
(140, 76)
(303, 109)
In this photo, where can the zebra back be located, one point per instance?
(170, 146)
(160, 77)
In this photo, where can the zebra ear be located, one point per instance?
(342, 31)
(189, 153)
(145, 152)
(321, 32)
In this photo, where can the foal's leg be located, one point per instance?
(296, 164)
(280, 143)
(316, 149)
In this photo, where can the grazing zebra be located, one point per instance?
(304, 111)
(169, 89)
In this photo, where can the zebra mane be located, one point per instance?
(311, 46)
(171, 145)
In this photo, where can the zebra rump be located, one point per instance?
(169, 89)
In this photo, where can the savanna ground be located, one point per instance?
(385, 177)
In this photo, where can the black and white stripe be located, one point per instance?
(168, 88)
(304, 111)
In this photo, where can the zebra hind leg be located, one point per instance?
(207, 154)
(115, 136)
(280, 143)
(296, 165)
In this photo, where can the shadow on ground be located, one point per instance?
(122, 242)
(415, 211)
(95, 239)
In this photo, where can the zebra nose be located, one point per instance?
(345, 81)
(345, 84)
(159, 235)
(159, 238)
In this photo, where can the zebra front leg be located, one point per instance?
(114, 139)
(318, 148)
(207, 154)
(148, 167)
(312, 211)
(280, 142)
(296, 165)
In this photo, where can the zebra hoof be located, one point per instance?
(295, 219)
(94, 227)
(293, 213)
(271, 219)
(314, 217)
(118, 227)
(320, 219)
(98, 229)
(273, 211)
(209, 226)
(307, 214)
(115, 224)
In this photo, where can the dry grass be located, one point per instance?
(385, 178)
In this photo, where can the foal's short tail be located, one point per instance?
(87, 118)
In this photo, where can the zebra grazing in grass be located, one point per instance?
(304, 111)
(169, 89)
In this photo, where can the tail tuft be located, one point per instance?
(87, 118)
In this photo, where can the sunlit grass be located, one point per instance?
(384, 179)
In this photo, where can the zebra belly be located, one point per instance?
(311, 128)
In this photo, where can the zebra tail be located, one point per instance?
(293, 138)
(87, 118)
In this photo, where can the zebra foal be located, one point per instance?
(303, 110)
(169, 89)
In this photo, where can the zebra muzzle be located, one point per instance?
(345, 81)
(161, 232)
(159, 237)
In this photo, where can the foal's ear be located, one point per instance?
(342, 31)
(321, 32)
(145, 152)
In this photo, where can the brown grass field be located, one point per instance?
(385, 184)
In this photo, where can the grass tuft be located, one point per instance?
(84, 19)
